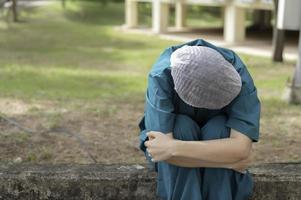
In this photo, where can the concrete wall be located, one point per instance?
(125, 182)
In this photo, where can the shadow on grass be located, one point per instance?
(96, 13)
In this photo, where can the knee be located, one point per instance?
(186, 128)
(215, 128)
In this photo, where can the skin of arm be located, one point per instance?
(226, 150)
(239, 166)
(226, 153)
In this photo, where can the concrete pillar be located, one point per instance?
(160, 14)
(234, 26)
(131, 13)
(180, 14)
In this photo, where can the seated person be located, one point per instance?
(200, 119)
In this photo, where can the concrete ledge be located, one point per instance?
(126, 182)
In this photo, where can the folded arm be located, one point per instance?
(225, 153)
(191, 162)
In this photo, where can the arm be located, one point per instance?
(158, 110)
(168, 142)
(239, 166)
(227, 150)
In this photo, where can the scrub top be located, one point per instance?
(162, 102)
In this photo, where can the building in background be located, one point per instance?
(286, 14)
(234, 14)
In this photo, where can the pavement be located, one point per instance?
(257, 43)
(29, 3)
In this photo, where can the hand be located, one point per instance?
(242, 165)
(159, 145)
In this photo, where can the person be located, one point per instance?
(200, 119)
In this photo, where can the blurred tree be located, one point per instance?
(14, 10)
(2, 2)
(63, 4)
(262, 19)
(12, 7)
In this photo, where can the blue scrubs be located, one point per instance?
(166, 112)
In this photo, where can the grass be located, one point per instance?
(70, 68)
(69, 58)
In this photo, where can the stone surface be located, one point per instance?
(125, 182)
(277, 181)
(295, 95)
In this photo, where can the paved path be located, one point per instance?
(31, 3)
(258, 43)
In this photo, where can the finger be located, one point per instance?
(147, 150)
(151, 137)
(152, 134)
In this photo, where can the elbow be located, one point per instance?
(244, 154)
(238, 155)
(243, 145)
(243, 151)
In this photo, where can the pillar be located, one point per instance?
(160, 14)
(234, 26)
(131, 13)
(180, 14)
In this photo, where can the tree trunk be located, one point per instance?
(14, 10)
(262, 19)
(63, 4)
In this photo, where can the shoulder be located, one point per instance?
(161, 69)
(162, 63)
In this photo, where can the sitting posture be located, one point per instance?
(201, 116)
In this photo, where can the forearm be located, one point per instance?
(191, 162)
(226, 150)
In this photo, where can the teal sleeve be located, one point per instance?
(158, 111)
(244, 111)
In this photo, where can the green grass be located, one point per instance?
(75, 53)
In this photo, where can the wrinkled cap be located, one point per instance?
(203, 77)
